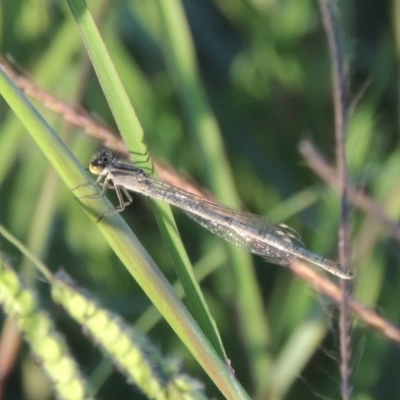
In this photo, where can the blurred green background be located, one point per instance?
(265, 70)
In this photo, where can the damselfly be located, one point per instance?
(277, 243)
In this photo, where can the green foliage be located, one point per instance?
(47, 345)
(133, 354)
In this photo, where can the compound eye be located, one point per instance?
(95, 168)
(100, 162)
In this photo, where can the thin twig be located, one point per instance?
(339, 83)
(334, 292)
(359, 198)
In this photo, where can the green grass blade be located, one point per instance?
(133, 135)
(123, 242)
(175, 41)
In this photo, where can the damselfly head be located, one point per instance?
(101, 162)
